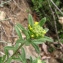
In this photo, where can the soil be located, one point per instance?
(16, 11)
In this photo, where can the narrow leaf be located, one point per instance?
(9, 60)
(9, 47)
(23, 54)
(23, 30)
(42, 40)
(49, 39)
(30, 20)
(42, 21)
(0, 59)
(20, 26)
(31, 60)
(4, 58)
(36, 47)
(18, 32)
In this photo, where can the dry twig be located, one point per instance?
(56, 7)
(54, 20)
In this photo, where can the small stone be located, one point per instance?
(2, 15)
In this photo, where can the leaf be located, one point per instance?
(31, 60)
(9, 47)
(30, 20)
(38, 41)
(4, 58)
(20, 26)
(23, 54)
(22, 57)
(49, 39)
(21, 41)
(0, 59)
(42, 21)
(18, 32)
(36, 47)
(42, 40)
(17, 59)
(16, 46)
(26, 33)
(6, 52)
(9, 60)
(24, 30)
(18, 40)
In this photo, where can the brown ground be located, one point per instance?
(16, 11)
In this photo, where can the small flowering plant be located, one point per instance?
(36, 31)
(34, 35)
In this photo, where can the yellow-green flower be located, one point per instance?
(30, 28)
(37, 35)
(32, 36)
(36, 31)
(42, 35)
(36, 23)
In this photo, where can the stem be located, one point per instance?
(56, 7)
(16, 51)
(55, 24)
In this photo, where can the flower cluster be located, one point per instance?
(36, 31)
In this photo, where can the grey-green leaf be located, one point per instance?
(9, 60)
(36, 47)
(23, 30)
(18, 32)
(42, 40)
(23, 54)
(42, 21)
(30, 20)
